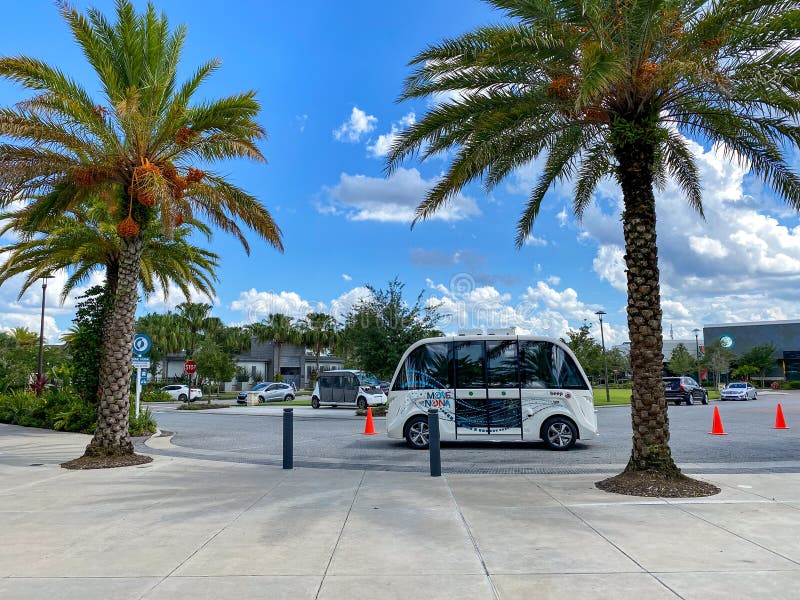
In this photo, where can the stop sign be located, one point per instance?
(190, 367)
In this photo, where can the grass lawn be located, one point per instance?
(624, 396)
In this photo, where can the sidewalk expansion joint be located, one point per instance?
(600, 534)
(339, 537)
(472, 539)
(213, 537)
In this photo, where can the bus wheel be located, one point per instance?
(314, 402)
(417, 434)
(559, 433)
(362, 403)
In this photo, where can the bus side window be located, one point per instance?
(566, 373)
(427, 367)
(470, 365)
(535, 366)
(502, 364)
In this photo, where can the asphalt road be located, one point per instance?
(332, 438)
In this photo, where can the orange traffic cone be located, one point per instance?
(716, 426)
(780, 423)
(369, 429)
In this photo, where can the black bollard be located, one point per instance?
(288, 433)
(433, 442)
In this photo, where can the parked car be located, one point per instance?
(181, 392)
(684, 389)
(269, 392)
(344, 387)
(739, 391)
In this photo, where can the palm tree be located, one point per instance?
(24, 336)
(136, 147)
(609, 88)
(166, 334)
(193, 319)
(278, 329)
(318, 330)
(86, 240)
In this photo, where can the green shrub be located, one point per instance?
(156, 396)
(144, 424)
(54, 409)
(790, 385)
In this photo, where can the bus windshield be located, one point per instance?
(367, 379)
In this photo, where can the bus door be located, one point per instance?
(337, 383)
(350, 387)
(503, 402)
(472, 415)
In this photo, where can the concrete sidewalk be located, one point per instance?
(184, 528)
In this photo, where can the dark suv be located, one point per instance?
(684, 389)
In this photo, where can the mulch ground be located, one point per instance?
(107, 462)
(652, 485)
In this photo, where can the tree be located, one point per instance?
(745, 370)
(135, 147)
(378, 329)
(85, 342)
(166, 334)
(617, 362)
(193, 319)
(278, 329)
(318, 330)
(761, 357)
(607, 89)
(718, 360)
(24, 336)
(588, 352)
(680, 361)
(214, 363)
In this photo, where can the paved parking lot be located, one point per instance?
(332, 437)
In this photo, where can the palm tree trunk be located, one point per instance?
(651, 451)
(277, 369)
(111, 436)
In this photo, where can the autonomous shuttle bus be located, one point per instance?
(492, 387)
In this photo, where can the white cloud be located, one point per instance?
(346, 277)
(562, 217)
(742, 263)
(553, 280)
(162, 302)
(541, 310)
(383, 144)
(534, 241)
(255, 305)
(301, 121)
(357, 125)
(394, 199)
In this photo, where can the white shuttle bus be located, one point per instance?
(492, 387)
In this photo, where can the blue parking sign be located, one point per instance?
(141, 343)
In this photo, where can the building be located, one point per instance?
(741, 337)
(297, 364)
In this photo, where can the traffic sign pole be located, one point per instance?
(138, 389)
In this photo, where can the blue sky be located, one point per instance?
(327, 75)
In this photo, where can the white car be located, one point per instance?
(181, 392)
(738, 391)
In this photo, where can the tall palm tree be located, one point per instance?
(609, 88)
(318, 330)
(194, 318)
(278, 329)
(24, 336)
(166, 334)
(86, 240)
(136, 146)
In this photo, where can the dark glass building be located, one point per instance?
(741, 337)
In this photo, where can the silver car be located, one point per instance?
(739, 391)
(269, 392)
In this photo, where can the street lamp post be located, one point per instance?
(697, 353)
(40, 374)
(600, 314)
